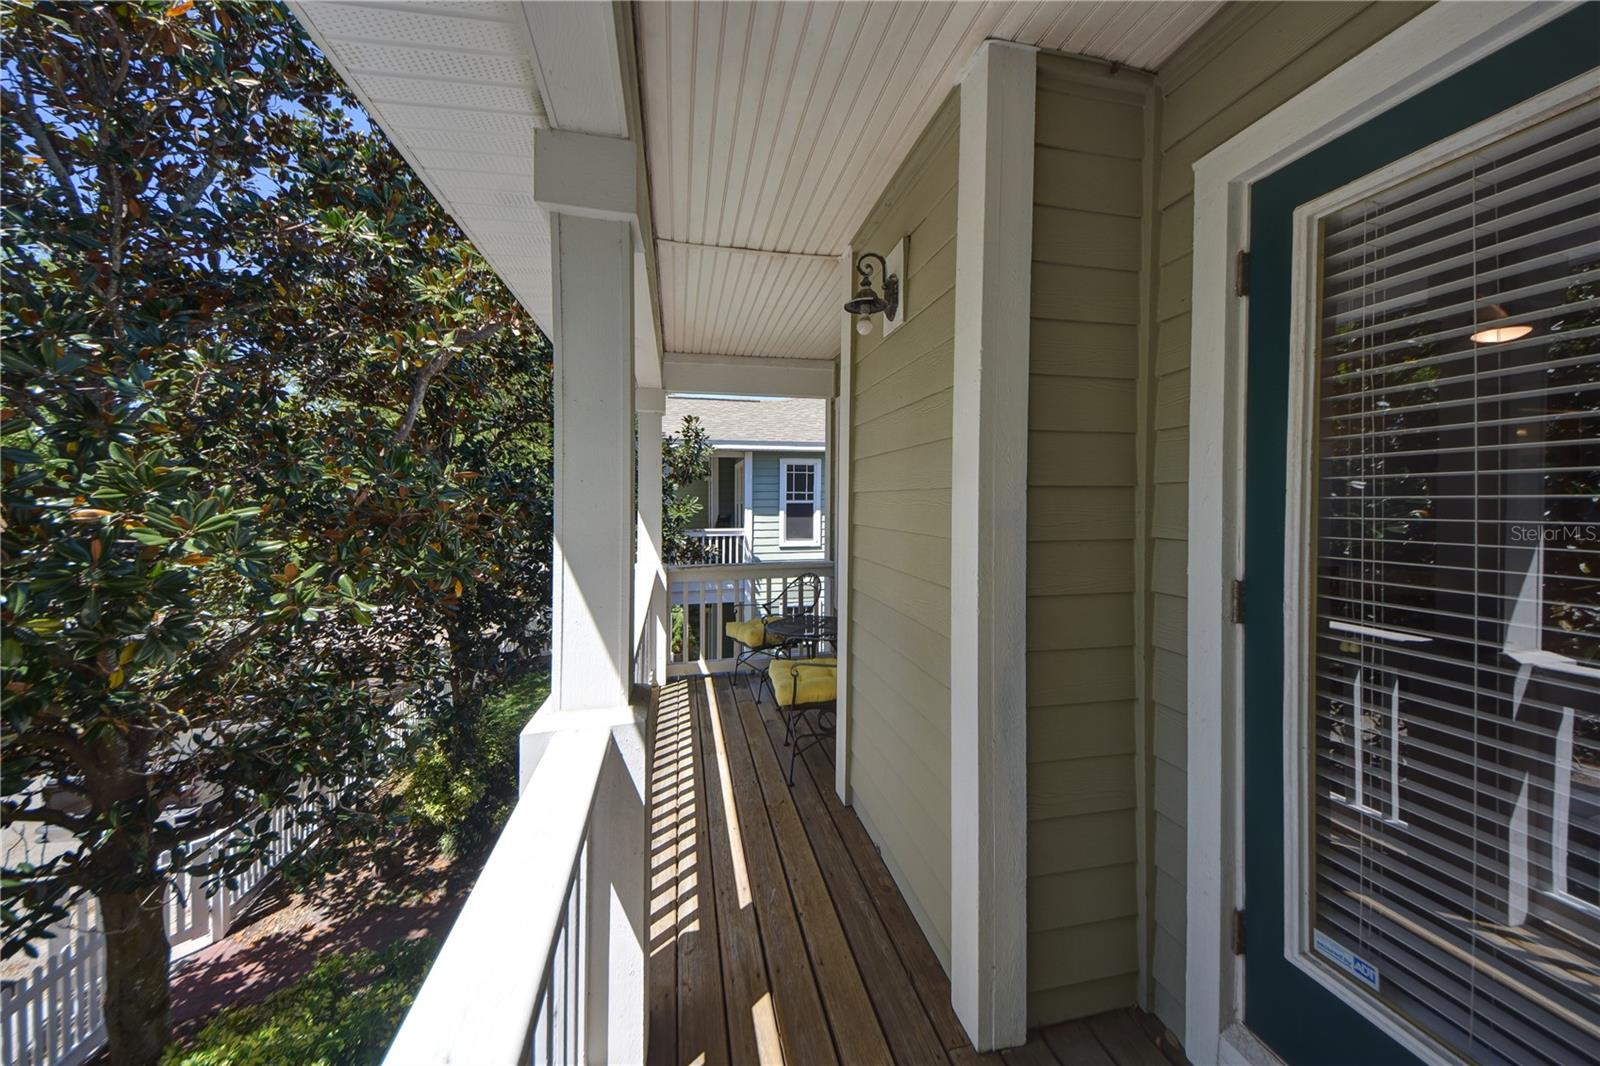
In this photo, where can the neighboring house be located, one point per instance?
(768, 487)
(1189, 294)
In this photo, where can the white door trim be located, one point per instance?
(1437, 43)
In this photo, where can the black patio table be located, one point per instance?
(805, 629)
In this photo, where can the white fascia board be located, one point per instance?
(743, 375)
(768, 446)
(1427, 49)
(577, 62)
(646, 320)
(532, 288)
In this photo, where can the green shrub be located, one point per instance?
(439, 794)
(503, 714)
(464, 791)
(344, 1012)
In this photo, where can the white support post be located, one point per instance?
(650, 590)
(591, 248)
(989, 548)
(749, 470)
(586, 184)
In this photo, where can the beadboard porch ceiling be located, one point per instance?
(770, 129)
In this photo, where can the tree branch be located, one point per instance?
(71, 747)
(419, 388)
(196, 188)
(220, 658)
(51, 817)
(43, 141)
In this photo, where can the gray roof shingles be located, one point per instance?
(746, 421)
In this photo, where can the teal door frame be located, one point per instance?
(1297, 1017)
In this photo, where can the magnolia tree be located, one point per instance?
(685, 461)
(276, 459)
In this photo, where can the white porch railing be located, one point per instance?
(725, 547)
(544, 964)
(703, 599)
(56, 1014)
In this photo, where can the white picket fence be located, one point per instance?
(55, 1015)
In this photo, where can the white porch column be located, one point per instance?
(650, 590)
(587, 184)
(591, 250)
(989, 549)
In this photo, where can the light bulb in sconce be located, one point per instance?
(1498, 330)
(863, 325)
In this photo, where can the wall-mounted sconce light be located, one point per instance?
(867, 302)
(1496, 330)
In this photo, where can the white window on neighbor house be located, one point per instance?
(799, 518)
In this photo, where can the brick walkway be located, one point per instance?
(290, 932)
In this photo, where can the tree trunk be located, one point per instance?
(138, 1000)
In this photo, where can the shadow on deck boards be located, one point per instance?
(776, 931)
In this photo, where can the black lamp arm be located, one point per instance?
(891, 283)
(865, 269)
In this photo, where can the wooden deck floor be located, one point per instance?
(777, 934)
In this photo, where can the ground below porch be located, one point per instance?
(776, 931)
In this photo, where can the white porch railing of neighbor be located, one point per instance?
(55, 1016)
(727, 547)
(704, 599)
(538, 967)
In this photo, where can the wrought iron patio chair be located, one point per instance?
(801, 596)
(800, 686)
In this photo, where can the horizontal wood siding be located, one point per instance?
(765, 490)
(900, 407)
(1245, 62)
(1083, 875)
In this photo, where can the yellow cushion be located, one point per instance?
(803, 681)
(752, 633)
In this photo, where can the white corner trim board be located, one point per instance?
(989, 549)
(1430, 47)
(839, 528)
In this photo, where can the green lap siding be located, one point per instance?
(766, 495)
(1107, 505)
(899, 406)
(1244, 63)
(1108, 496)
(1083, 896)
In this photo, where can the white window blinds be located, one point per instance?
(1455, 848)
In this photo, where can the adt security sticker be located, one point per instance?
(1345, 959)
